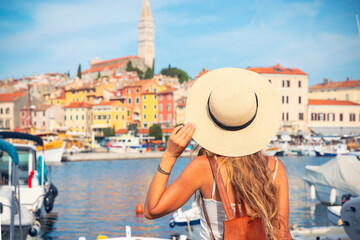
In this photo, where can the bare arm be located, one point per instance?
(161, 200)
(281, 183)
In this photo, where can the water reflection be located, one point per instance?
(101, 197)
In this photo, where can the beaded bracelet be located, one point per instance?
(160, 170)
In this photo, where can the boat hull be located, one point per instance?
(53, 153)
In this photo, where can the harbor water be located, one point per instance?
(100, 197)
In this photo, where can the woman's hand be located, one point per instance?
(179, 139)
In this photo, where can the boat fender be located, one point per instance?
(30, 179)
(48, 202)
(332, 196)
(350, 214)
(172, 223)
(39, 168)
(312, 192)
(53, 190)
(35, 229)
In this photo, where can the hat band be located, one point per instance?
(232, 128)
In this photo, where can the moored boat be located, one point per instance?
(53, 147)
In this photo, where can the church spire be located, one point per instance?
(146, 34)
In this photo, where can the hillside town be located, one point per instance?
(113, 94)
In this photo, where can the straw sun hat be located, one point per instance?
(236, 111)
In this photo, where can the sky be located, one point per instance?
(319, 37)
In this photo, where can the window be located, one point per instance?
(301, 116)
(160, 106)
(128, 112)
(83, 117)
(283, 83)
(137, 100)
(287, 116)
(144, 106)
(282, 99)
(169, 96)
(341, 117)
(313, 116)
(321, 116)
(122, 117)
(129, 100)
(155, 116)
(144, 97)
(77, 117)
(129, 90)
(347, 97)
(137, 90)
(7, 110)
(117, 117)
(43, 124)
(169, 107)
(43, 113)
(287, 99)
(169, 117)
(288, 83)
(160, 97)
(145, 125)
(269, 80)
(155, 106)
(299, 84)
(95, 117)
(299, 99)
(352, 117)
(331, 117)
(71, 117)
(65, 118)
(144, 116)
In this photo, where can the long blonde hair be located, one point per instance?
(252, 181)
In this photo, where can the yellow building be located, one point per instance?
(78, 118)
(149, 109)
(348, 90)
(84, 93)
(110, 114)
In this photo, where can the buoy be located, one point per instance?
(312, 192)
(332, 196)
(139, 209)
(101, 237)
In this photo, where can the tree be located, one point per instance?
(108, 132)
(132, 128)
(98, 75)
(175, 72)
(130, 68)
(79, 71)
(149, 74)
(155, 131)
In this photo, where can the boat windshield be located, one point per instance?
(5, 161)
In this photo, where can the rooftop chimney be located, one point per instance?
(278, 65)
(325, 80)
(347, 79)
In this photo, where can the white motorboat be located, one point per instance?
(335, 178)
(130, 237)
(125, 143)
(16, 220)
(334, 214)
(35, 188)
(53, 147)
(328, 233)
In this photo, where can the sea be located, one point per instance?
(100, 198)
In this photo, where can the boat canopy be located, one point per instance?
(9, 149)
(24, 136)
(341, 172)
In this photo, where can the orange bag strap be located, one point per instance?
(221, 188)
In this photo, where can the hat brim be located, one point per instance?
(234, 143)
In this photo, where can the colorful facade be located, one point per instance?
(10, 107)
(80, 94)
(166, 108)
(78, 118)
(112, 114)
(149, 109)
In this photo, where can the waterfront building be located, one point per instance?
(108, 114)
(146, 35)
(334, 117)
(149, 109)
(348, 90)
(80, 93)
(180, 111)
(292, 86)
(10, 106)
(43, 118)
(166, 108)
(78, 118)
(132, 94)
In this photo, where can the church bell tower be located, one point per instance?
(146, 35)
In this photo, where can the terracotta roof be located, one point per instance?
(330, 102)
(77, 88)
(115, 59)
(277, 69)
(78, 105)
(333, 85)
(202, 73)
(99, 69)
(168, 90)
(41, 107)
(10, 97)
